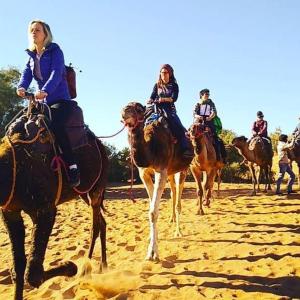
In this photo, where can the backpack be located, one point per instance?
(71, 80)
(218, 124)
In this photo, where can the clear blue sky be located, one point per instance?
(245, 51)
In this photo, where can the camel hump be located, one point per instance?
(261, 145)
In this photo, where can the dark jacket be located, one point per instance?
(52, 76)
(169, 90)
(261, 128)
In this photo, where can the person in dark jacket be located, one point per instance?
(46, 66)
(165, 94)
(260, 126)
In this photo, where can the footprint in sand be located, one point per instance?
(72, 248)
(55, 262)
(69, 293)
(122, 244)
(130, 248)
(80, 253)
(7, 277)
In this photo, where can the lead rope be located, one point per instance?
(131, 171)
(14, 175)
(113, 135)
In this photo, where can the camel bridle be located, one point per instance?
(136, 116)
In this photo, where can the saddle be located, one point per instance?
(154, 116)
(38, 122)
(258, 140)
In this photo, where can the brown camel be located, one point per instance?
(261, 155)
(155, 154)
(294, 154)
(205, 166)
(29, 184)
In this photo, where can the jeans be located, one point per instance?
(284, 167)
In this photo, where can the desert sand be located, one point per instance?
(244, 247)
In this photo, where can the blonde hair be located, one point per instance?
(47, 31)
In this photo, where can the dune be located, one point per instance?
(242, 248)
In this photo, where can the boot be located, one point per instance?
(74, 177)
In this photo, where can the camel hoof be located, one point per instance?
(178, 234)
(172, 219)
(152, 257)
(207, 203)
(35, 275)
(200, 212)
(68, 268)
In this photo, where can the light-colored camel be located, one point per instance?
(204, 165)
(155, 154)
(261, 156)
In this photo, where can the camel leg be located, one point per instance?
(219, 181)
(160, 182)
(254, 181)
(197, 176)
(204, 188)
(258, 175)
(16, 230)
(146, 178)
(298, 175)
(43, 221)
(99, 226)
(210, 185)
(269, 174)
(173, 197)
(179, 178)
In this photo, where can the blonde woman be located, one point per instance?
(46, 66)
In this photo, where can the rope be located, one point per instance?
(14, 176)
(131, 171)
(30, 141)
(109, 136)
(57, 160)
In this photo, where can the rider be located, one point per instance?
(46, 65)
(206, 109)
(165, 93)
(260, 126)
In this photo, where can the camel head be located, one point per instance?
(133, 115)
(196, 131)
(239, 141)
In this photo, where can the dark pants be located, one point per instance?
(61, 112)
(176, 127)
(218, 144)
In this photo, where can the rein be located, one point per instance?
(57, 163)
(12, 191)
(110, 136)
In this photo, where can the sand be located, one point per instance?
(244, 247)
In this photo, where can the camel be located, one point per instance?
(155, 154)
(294, 153)
(261, 155)
(204, 165)
(29, 184)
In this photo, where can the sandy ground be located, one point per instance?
(243, 248)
